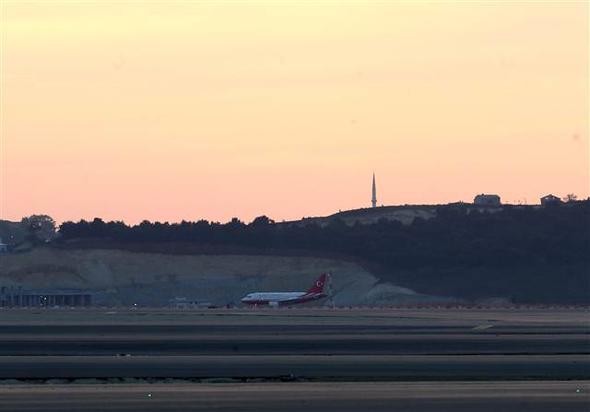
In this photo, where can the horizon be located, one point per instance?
(173, 111)
(245, 221)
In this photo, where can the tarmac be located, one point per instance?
(309, 397)
(300, 367)
(289, 359)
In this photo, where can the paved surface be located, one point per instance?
(321, 367)
(294, 332)
(356, 360)
(307, 343)
(36, 340)
(309, 397)
(426, 317)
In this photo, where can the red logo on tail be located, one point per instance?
(318, 287)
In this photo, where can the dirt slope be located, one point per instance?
(122, 277)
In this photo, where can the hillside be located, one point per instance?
(403, 214)
(123, 277)
(522, 254)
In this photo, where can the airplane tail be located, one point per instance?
(320, 284)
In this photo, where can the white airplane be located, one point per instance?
(318, 291)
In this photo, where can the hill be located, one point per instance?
(123, 277)
(366, 216)
(522, 254)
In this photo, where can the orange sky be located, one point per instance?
(187, 110)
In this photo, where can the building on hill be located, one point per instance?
(550, 200)
(487, 200)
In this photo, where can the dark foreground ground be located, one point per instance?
(295, 359)
(308, 397)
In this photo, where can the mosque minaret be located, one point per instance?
(374, 197)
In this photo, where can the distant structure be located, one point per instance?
(184, 303)
(487, 200)
(374, 197)
(550, 200)
(3, 247)
(16, 296)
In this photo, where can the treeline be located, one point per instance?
(457, 235)
(511, 253)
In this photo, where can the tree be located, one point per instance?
(40, 227)
(262, 221)
(570, 197)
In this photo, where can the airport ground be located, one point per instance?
(308, 397)
(426, 359)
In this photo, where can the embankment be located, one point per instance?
(124, 277)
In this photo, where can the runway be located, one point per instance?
(182, 340)
(302, 367)
(293, 360)
(293, 332)
(309, 397)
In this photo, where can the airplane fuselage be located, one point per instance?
(319, 290)
(280, 298)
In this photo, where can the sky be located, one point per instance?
(192, 110)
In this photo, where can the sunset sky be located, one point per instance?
(187, 110)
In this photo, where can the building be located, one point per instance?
(184, 303)
(550, 200)
(13, 296)
(3, 247)
(487, 200)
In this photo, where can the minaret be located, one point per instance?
(374, 197)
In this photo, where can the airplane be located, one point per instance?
(319, 290)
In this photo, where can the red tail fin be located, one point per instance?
(320, 283)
